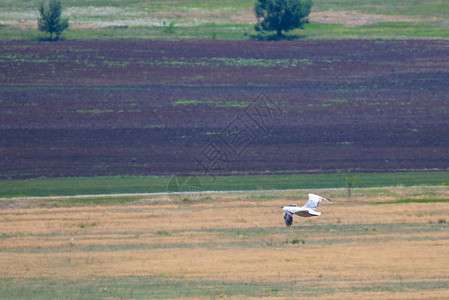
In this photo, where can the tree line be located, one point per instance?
(271, 15)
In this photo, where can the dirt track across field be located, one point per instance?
(195, 195)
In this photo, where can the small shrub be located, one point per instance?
(163, 232)
(295, 241)
(241, 235)
(170, 29)
(84, 225)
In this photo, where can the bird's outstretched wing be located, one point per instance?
(288, 218)
(314, 201)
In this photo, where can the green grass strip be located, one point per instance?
(157, 184)
(403, 201)
(164, 287)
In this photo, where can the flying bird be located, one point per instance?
(308, 210)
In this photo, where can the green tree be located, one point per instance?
(281, 15)
(50, 18)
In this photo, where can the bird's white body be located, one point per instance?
(308, 210)
(302, 211)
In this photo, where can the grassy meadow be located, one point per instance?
(71, 186)
(228, 20)
(385, 243)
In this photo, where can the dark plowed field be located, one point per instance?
(77, 108)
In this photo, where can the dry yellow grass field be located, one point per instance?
(230, 245)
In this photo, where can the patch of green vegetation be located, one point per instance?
(393, 30)
(17, 58)
(137, 20)
(157, 184)
(255, 62)
(155, 287)
(232, 62)
(227, 103)
(93, 111)
(200, 32)
(337, 101)
(422, 8)
(187, 102)
(246, 233)
(6, 236)
(378, 192)
(264, 196)
(402, 201)
(405, 29)
(211, 133)
(397, 30)
(163, 233)
(72, 202)
(257, 237)
(295, 241)
(114, 63)
(135, 287)
(86, 225)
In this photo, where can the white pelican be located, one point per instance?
(308, 210)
